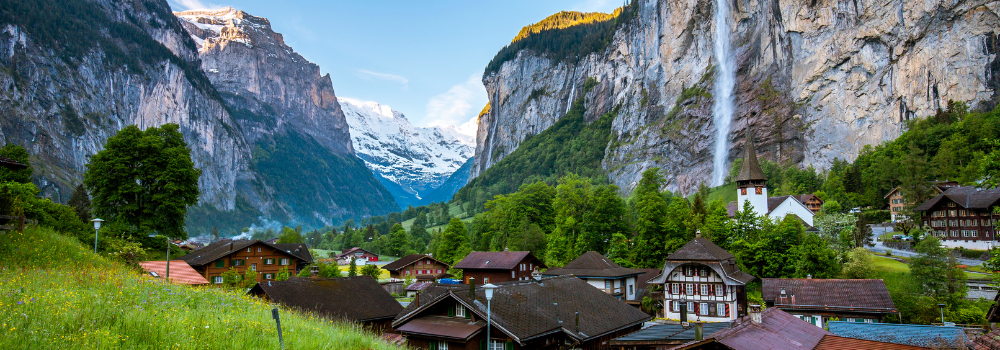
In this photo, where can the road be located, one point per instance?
(879, 248)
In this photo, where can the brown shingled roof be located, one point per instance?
(862, 295)
(833, 342)
(777, 330)
(407, 260)
(529, 309)
(700, 248)
(221, 248)
(750, 171)
(11, 164)
(988, 341)
(495, 260)
(357, 299)
(592, 264)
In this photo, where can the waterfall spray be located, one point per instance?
(725, 81)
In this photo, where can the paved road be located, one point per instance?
(879, 248)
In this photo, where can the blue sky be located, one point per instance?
(422, 58)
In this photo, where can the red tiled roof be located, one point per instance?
(833, 342)
(496, 260)
(180, 271)
(865, 295)
(988, 341)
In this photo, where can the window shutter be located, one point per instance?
(468, 314)
(510, 345)
(451, 311)
(482, 344)
(434, 345)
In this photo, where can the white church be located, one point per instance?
(751, 188)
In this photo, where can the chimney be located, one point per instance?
(472, 288)
(314, 271)
(793, 299)
(755, 313)
(699, 332)
(697, 234)
(783, 292)
(416, 299)
(578, 322)
(809, 276)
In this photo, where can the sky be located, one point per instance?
(422, 58)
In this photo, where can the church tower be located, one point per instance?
(751, 182)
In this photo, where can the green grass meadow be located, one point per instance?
(57, 294)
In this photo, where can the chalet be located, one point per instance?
(602, 273)
(558, 312)
(897, 202)
(811, 201)
(180, 272)
(963, 217)
(356, 299)
(496, 267)
(360, 256)
(416, 287)
(418, 266)
(819, 300)
(265, 258)
(926, 336)
(751, 188)
(706, 279)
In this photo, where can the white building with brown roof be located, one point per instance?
(817, 300)
(602, 273)
(703, 280)
(751, 188)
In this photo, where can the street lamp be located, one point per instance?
(488, 288)
(168, 256)
(97, 227)
(941, 307)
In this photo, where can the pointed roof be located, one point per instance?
(592, 264)
(700, 248)
(750, 171)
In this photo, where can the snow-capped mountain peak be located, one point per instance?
(417, 159)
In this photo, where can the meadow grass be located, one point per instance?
(55, 294)
(890, 265)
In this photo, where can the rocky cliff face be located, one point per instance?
(74, 72)
(414, 160)
(816, 80)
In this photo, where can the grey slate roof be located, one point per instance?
(909, 334)
(700, 248)
(702, 251)
(358, 298)
(407, 260)
(750, 171)
(858, 295)
(670, 332)
(777, 330)
(528, 309)
(592, 264)
(968, 197)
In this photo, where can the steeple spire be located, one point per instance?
(750, 171)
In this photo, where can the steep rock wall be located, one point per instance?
(816, 80)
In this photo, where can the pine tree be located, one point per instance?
(353, 269)
(80, 202)
(454, 243)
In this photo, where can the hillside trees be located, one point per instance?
(650, 212)
(20, 155)
(454, 244)
(144, 180)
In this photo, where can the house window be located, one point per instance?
(607, 284)
(253, 267)
(630, 291)
(675, 288)
(719, 290)
(704, 289)
(511, 273)
(459, 310)
(258, 249)
(703, 272)
(703, 309)
(220, 263)
(496, 345)
(439, 270)
(675, 306)
(283, 261)
(690, 306)
(720, 309)
(217, 279)
(486, 280)
(407, 273)
(248, 249)
(237, 262)
(268, 261)
(441, 345)
(269, 276)
(689, 289)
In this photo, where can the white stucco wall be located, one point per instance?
(792, 206)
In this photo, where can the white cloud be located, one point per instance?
(459, 106)
(367, 74)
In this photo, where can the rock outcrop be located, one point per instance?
(816, 80)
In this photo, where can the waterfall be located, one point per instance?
(725, 81)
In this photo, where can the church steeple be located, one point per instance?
(750, 172)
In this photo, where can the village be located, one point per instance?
(505, 300)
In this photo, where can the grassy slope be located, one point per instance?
(58, 295)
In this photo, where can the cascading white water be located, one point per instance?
(725, 81)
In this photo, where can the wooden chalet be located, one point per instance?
(551, 313)
(266, 258)
(819, 300)
(601, 273)
(418, 266)
(496, 267)
(898, 203)
(359, 255)
(705, 278)
(963, 217)
(355, 299)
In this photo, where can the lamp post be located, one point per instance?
(97, 227)
(488, 288)
(941, 307)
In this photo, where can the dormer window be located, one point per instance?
(459, 310)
